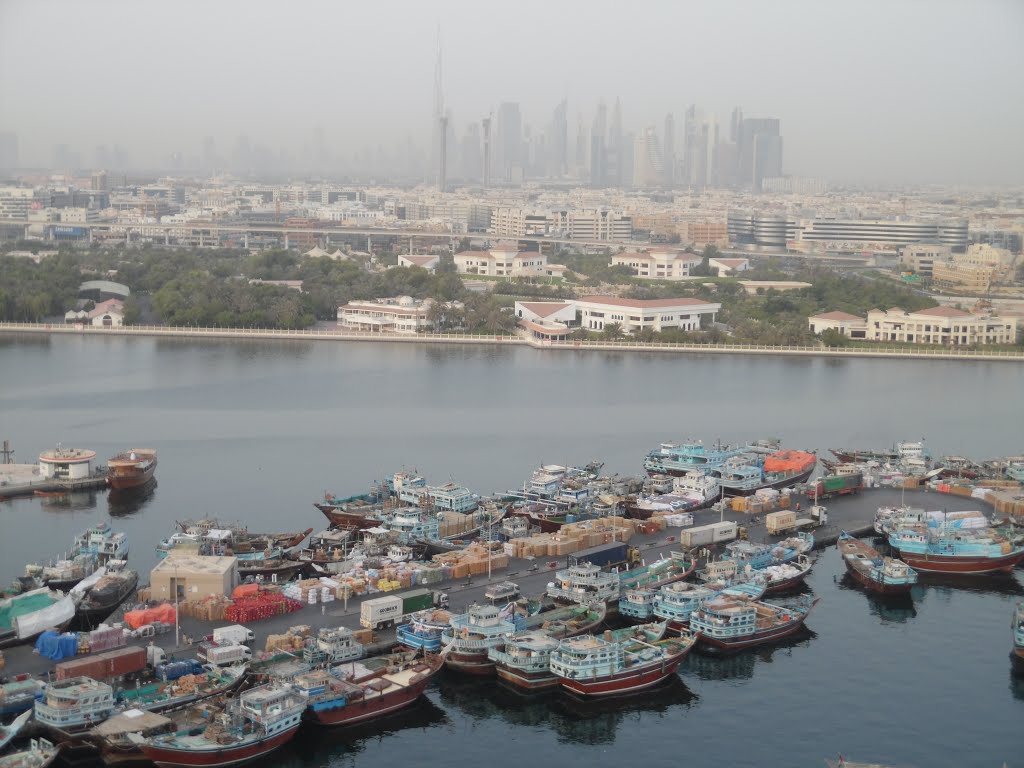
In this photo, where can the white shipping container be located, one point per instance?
(724, 531)
(696, 537)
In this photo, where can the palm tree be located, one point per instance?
(613, 331)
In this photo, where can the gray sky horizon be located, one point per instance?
(910, 92)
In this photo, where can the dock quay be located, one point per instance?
(61, 470)
(854, 514)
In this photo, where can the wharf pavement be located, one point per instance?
(854, 514)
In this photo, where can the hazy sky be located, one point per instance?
(874, 91)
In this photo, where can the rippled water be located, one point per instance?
(258, 430)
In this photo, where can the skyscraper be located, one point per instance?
(614, 148)
(510, 139)
(695, 166)
(437, 125)
(582, 148)
(558, 141)
(648, 163)
(759, 145)
(598, 148)
(670, 151)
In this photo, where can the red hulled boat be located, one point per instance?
(360, 690)
(131, 468)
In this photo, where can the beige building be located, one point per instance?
(658, 264)
(972, 278)
(400, 315)
(940, 325)
(181, 576)
(763, 286)
(849, 325)
(507, 261)
(636, 314)
(702, 233)
(921, 257)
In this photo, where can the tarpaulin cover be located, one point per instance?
(789, 461)
(136, 619)
(55, 646)
(244, 590)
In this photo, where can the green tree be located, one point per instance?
(613, 331)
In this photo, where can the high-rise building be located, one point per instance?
(98, 181)
(670, 151)
(510, 139)
(582, 148)
(486, 124)
(734, 125)
(436, 118)
(695, 165)
(558, 141)
(648, 163)
(8, 150)
(599, 148)
(759, 145)
(614, 149)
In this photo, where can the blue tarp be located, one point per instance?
(56, 646)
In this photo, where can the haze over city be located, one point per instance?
(867, 92)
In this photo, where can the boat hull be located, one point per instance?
(339, 518)
(359, 711)
(626, 682)
(787, 585)
(124, 477)
(167, 757)
(878, 587)
(785, 482)
(527, 681)
(962, 565)
(470, 663)
(721, 646)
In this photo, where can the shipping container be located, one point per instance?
(697, 537)
(779, 522)
(603, 554)
(724, 531)
(225, 654)
(837, 485)
(104, 666)
(416, 600)
(380, 612)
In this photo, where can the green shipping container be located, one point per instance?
(416, 600)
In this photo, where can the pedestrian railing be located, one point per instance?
(504, 338)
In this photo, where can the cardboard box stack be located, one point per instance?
(474, 559)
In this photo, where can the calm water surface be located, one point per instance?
(258, 430)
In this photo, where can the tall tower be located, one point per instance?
(443, 154)
(486, 123)
(670, 150)
(438, 115)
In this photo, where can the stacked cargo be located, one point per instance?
(209, 608)
(475, 559)
(263, 605)
(762, 501)
(103, 638)
(292, 640)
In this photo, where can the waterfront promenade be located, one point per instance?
(626, 345)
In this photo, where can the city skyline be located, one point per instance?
(201, 96)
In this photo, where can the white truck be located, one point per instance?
(221, 655)
(233, 634)
(380, 612)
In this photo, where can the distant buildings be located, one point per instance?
(553, 320)
(779, 232)
(597, 224)
(428, 262)
(506, 261)
(947, 326)
(658, 264)
(400, 315)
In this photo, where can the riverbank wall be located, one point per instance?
(322, 334)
